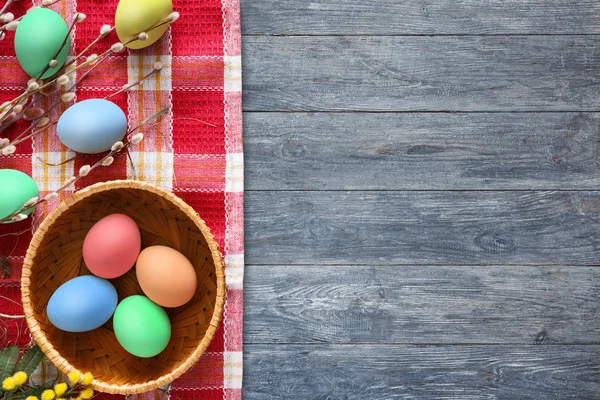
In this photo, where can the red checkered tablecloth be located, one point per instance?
(195, 150)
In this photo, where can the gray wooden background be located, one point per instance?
(422, 205)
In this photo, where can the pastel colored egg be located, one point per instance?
(111, 246)
(141, 326)
(82, 304)
(92, 126)
(38, 38)
(16, 189)
(166, 276)
(136, 16)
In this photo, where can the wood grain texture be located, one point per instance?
(514, 73)
(435, 151)
(422, 305)
(401, 238)
(335, 372)
(469, 228)
(419, 17)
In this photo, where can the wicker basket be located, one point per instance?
(54, 256)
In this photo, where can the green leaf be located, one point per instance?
(4, 266)
(30, 360)
(150, 118)
(8, 358)
(37, 391)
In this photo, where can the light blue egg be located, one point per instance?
(82, 304)
(92, 126)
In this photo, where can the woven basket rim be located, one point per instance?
(39, 336)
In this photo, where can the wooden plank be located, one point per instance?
(422, 305)
(434, 151)
(419, 17)
(464, 73)
(316, 372)
(470, 228)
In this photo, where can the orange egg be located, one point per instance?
(166, 276)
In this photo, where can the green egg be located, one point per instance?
(141, 326)
(16, 189)
(38, 37)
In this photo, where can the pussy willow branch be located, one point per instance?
(9, 119)
(165, 21)
(69, 72)
(41, 121)
(5, 123)
(34, 122)
(70, 181)
(3, 27)
(62, 45)
(8, 3)
(21, 138)
(97, 61)
(126, 87)
(29, 93)
(94, 42)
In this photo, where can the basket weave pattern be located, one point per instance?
(55, 256)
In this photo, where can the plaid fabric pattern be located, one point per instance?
(195, 150)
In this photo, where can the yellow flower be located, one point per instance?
(31, 398)
(20, 378)
(87, 378)
(60, 389)
(86, 394)
(9, 383)
(48, 394)
(74, 377)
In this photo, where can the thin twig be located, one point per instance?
(28, 93)
(131, 161)
(62, 46)
(126, 88)
(19, 139)
(74, 179)
(15, 233)
(11, 316)
(3, 126)
(197, 120)
(53, 81)
(3, 27)
(9, 299)
(8, 3)
(13, 104)
(163, 22)
(56, 165)
(101, 58)
(144, 122)
(89, 47)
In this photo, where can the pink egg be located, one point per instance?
(112, 246)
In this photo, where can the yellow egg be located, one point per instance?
(136, 16)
